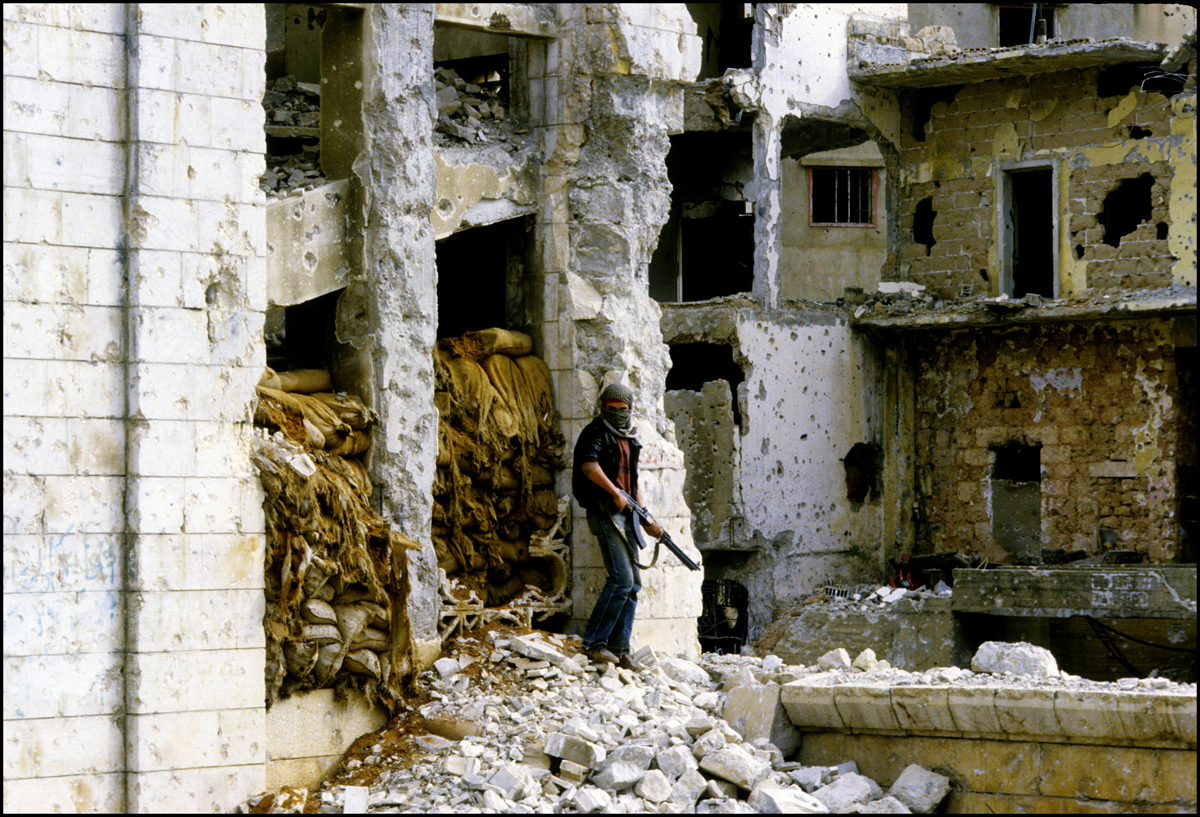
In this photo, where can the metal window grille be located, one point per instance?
(842, 195)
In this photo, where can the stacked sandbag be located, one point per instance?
(498, 451)
(335, 570)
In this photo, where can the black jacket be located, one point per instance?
(598, 443)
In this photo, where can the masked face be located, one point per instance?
(616, 414)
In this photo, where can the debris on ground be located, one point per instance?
(519, 721)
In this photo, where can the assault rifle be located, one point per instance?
(640, 515)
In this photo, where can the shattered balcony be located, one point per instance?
(888, 62)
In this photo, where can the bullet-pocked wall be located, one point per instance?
(134, 296)
(1099, 405)
(766, 446)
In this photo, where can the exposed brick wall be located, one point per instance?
(1101, 401)
(1050, 115)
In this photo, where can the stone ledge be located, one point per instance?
(841, 702)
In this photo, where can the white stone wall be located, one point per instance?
(133, 539)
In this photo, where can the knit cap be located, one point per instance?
(616, 391)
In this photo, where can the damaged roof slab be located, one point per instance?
(983, 64)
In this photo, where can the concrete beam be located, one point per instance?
(1133, 591)
(496, 18)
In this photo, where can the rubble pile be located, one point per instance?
(293, 110)
(494, 503)
(335, 573)
(518, 721)
(465, 111)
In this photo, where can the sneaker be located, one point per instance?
(600, 655)
(626, 662)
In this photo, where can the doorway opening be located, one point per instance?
(1030, 230)
(481, 279)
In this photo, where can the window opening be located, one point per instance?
(726, 31)
(923, 224)
(481, 279)
(313, 96)
(1125, 207)
(1029, 224)
(480, 84)
(706, 248)
(694, 364)
(1017, 23)
(1016, 499)
(842, 195)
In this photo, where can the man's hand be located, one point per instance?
(654, 529)
(620, 502)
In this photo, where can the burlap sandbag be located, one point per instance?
(497, 341)
(348, 443)
(362, 662)
(510, 384)
(349, 409)
(305, 381)
(269, 378)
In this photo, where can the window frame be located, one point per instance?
(873, 199)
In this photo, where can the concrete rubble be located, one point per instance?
(465, 111)
(671, 738)
(293, 111)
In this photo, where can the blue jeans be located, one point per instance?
(611, 621)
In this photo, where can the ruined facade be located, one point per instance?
(731, 209)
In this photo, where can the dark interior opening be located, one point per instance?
(1125, 207)
(923, 224)
(1118, 80)
(923, 101)
(863, 465)
(1032, 246)
(306, 337)
(706, 249)
(1018, 462)
(1016, 22)
(725, 31)
(480, 274)
(694, 364)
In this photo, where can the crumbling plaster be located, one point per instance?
(476, 187)
(813, 389)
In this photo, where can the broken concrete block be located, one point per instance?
(773, 799)
(533, 647)
(742, 677)
(735, 764)
(757, 710)
(811, 778)
(771, 662)
(688, 788)
(675, 761)
(809, 703)
(866, 660)
(834, 659)
(866, 706)
(572, 772)
(583, 298)
(846, 791)
(721, 788)
(884, 805)
(511, 782)
(681, 669)
(592, 799)
(654, 786)
(1018, 658)
(446, 667)
(619, 776)
(709, 742)
(575, 749)
(354, 800)
(920, 789)
(460, 766)
(493, 802)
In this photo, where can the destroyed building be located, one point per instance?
(885, 280)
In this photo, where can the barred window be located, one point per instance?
(842, 195)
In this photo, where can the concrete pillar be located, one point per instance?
(398, 290)
(195, 719)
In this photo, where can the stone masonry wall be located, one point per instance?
(1100, 400)
(134, 292)
(1096, 141)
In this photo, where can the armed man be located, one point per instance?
(605, 473)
